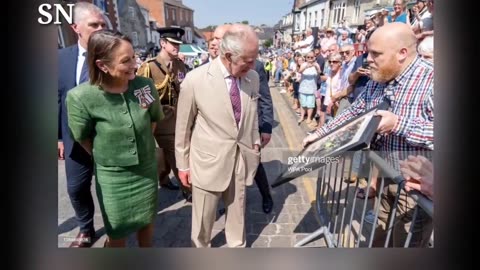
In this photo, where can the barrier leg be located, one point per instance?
(309, 238)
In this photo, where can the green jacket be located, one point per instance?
(118, 124)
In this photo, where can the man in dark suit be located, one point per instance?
(265, 121)
(73, 70)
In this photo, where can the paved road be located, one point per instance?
(292, 217)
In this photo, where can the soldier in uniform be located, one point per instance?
(167, 72)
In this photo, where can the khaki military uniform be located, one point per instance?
(167, 80)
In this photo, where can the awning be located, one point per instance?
(191, 50)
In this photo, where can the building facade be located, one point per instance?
(331, 13)
(156, 11)
(133, 23)
(179, 15)
(199, 39)
(313, 13)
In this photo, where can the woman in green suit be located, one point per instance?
(113, 117)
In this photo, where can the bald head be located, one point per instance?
(220, 31)
(248, 31)
(397, 35)
(391, 48)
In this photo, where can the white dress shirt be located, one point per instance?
(228, 81)
(80, 60)
(307, 41)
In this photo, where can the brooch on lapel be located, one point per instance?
(180, 76)
(144, 96)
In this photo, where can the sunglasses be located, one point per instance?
(345, 52)
(310, 57)
(331, 62)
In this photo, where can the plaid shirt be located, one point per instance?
(411, 98)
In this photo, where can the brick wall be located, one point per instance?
(178, 16)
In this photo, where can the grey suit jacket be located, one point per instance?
(206, 135)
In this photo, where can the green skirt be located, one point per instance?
(127, 197)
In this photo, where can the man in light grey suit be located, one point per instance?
(217, 138)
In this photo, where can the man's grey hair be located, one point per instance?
(347, 47)
(235, 38)
(334, 46)
(81, 10)
(426, 46)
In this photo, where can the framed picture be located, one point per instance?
(354, 135)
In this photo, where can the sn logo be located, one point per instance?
(46, 17)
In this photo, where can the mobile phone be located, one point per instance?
(365, 63)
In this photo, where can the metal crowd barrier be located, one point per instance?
(342, 214)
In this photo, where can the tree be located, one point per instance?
(267, 43)
(245, 22)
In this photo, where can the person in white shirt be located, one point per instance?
(421, 14)
(305, 46)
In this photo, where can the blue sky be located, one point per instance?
(256, 12)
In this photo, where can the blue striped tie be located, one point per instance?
(84, 73)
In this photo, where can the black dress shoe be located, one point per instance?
(267, 205)
(170, 186)
(83, 240)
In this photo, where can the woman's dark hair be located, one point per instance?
(101, 45)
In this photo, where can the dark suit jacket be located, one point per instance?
(67, 70)
(265, 106)
(321, 62)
